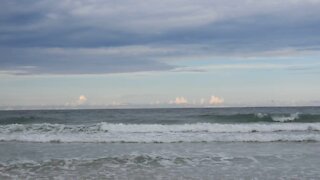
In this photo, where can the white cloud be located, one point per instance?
(215, 100)
(179, 100)
(82, 99)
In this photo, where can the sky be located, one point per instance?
(168, 53)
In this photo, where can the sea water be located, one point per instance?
(206, 143)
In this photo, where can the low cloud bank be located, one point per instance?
(215, 100)
(179, 100)
(82, 99)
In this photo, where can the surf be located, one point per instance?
(160, 133)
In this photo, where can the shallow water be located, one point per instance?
(221, 160)
(225, 143)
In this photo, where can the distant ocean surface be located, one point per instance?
(206, 143)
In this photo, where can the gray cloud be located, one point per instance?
(73, 37)
(77, 61)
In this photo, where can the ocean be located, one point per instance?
(182, 143)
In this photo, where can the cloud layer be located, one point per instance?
(96, 37)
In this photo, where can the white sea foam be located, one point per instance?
(261, 115)
(200, 132)
(162, 137)
(159, 128)
(282, 118)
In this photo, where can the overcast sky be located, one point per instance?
(168, 53)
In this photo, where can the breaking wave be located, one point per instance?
(281, 118)
(178, 118)
(261, 117)
(150, 133)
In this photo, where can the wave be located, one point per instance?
(127, 159)
(111, 167)
(199, 132)
(262, 117)
(118, 166)
(155, 128)
(130, 159)
(281, 118)
(159, 118)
